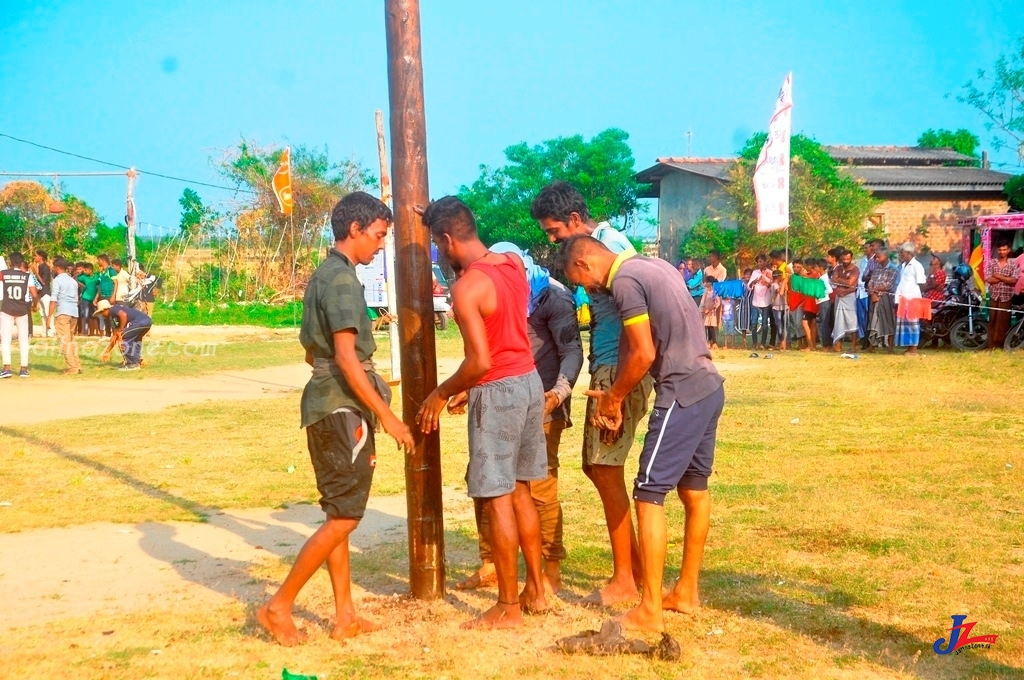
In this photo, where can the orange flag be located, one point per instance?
(283, 182)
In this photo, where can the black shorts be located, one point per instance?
(679, 449)
(341, 447)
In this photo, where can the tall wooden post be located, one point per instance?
(415, 302)
(389, 253)
(129, 221)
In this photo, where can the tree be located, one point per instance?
(707, 235)
(196, 218)
(962, 141)
(827, 207)
(279, 251)
(26, 223)
(1000, 97)
(1015, 192)
(601, 169)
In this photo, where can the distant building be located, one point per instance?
(916, 188)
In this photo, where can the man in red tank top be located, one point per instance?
(507, 448)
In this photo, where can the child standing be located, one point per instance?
(745, 307)
(711, 310)
(778, 309)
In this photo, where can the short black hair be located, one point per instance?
(557, 201)
(42, 253)
(716, 253)
(450, 216)
(573, 247)
(60, 262)
(761, 256)
(117, 261)
(359, 207)
(103, 256)
(15, 259)
(775, 254)
(941, 261)
(878, 242)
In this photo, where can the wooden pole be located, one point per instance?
(389, 253)
(129, 218)
(415, 303)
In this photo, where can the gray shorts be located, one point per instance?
(506, 435)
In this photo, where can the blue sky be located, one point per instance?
(165, 85)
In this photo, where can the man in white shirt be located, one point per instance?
(909, 309)
(122, 281)
(760, 282)
(716, 269)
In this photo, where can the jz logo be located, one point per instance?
(960, 637)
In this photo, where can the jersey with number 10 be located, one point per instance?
(17, 299)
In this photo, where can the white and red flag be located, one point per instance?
(771, 174)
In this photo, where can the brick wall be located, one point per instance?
(902, 217)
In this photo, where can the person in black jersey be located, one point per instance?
(130, 326)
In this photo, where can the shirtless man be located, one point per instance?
(662, 333)
(562, 213)
(507, 449)
(341, 405)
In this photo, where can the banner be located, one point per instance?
(771, 175)
(283, 182)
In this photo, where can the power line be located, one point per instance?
(125, 167)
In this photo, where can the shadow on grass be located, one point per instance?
(853, 637)
(228, 577)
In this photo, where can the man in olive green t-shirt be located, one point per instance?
(341, 406)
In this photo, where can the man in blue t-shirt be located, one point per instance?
(129, 327)
(562, 213)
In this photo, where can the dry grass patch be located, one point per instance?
(840, 544)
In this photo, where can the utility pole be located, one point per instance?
(416, 305)
(129, 221)
(389, 253)
(689, 134)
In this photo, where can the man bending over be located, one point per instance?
(562, 212)
(507, 449)
(663, 334)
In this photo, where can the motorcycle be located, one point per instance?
(961, 310)
(1015, 337)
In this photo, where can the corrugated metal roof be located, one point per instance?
(894, 155)
(882, 179)
(715, 168)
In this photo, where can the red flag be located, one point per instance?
(283, 182)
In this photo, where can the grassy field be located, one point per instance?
(857, 506)
(216, 313)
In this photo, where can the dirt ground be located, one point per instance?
(103, 568)
(106, 568)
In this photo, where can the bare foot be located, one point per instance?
(553, 575)
(533, 602)
(612, 594)
(352, 627)
(484, 576)
(497, 617)
(640, 619)
(670, 601)
(280, 626)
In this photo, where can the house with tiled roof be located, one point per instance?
(920, 190)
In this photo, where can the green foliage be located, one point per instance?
(999, 97)
(602, 169)
(1015, 192)
(962, 141)
(230, 313)
(827, 207)
(195, 217)
(707, 235)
